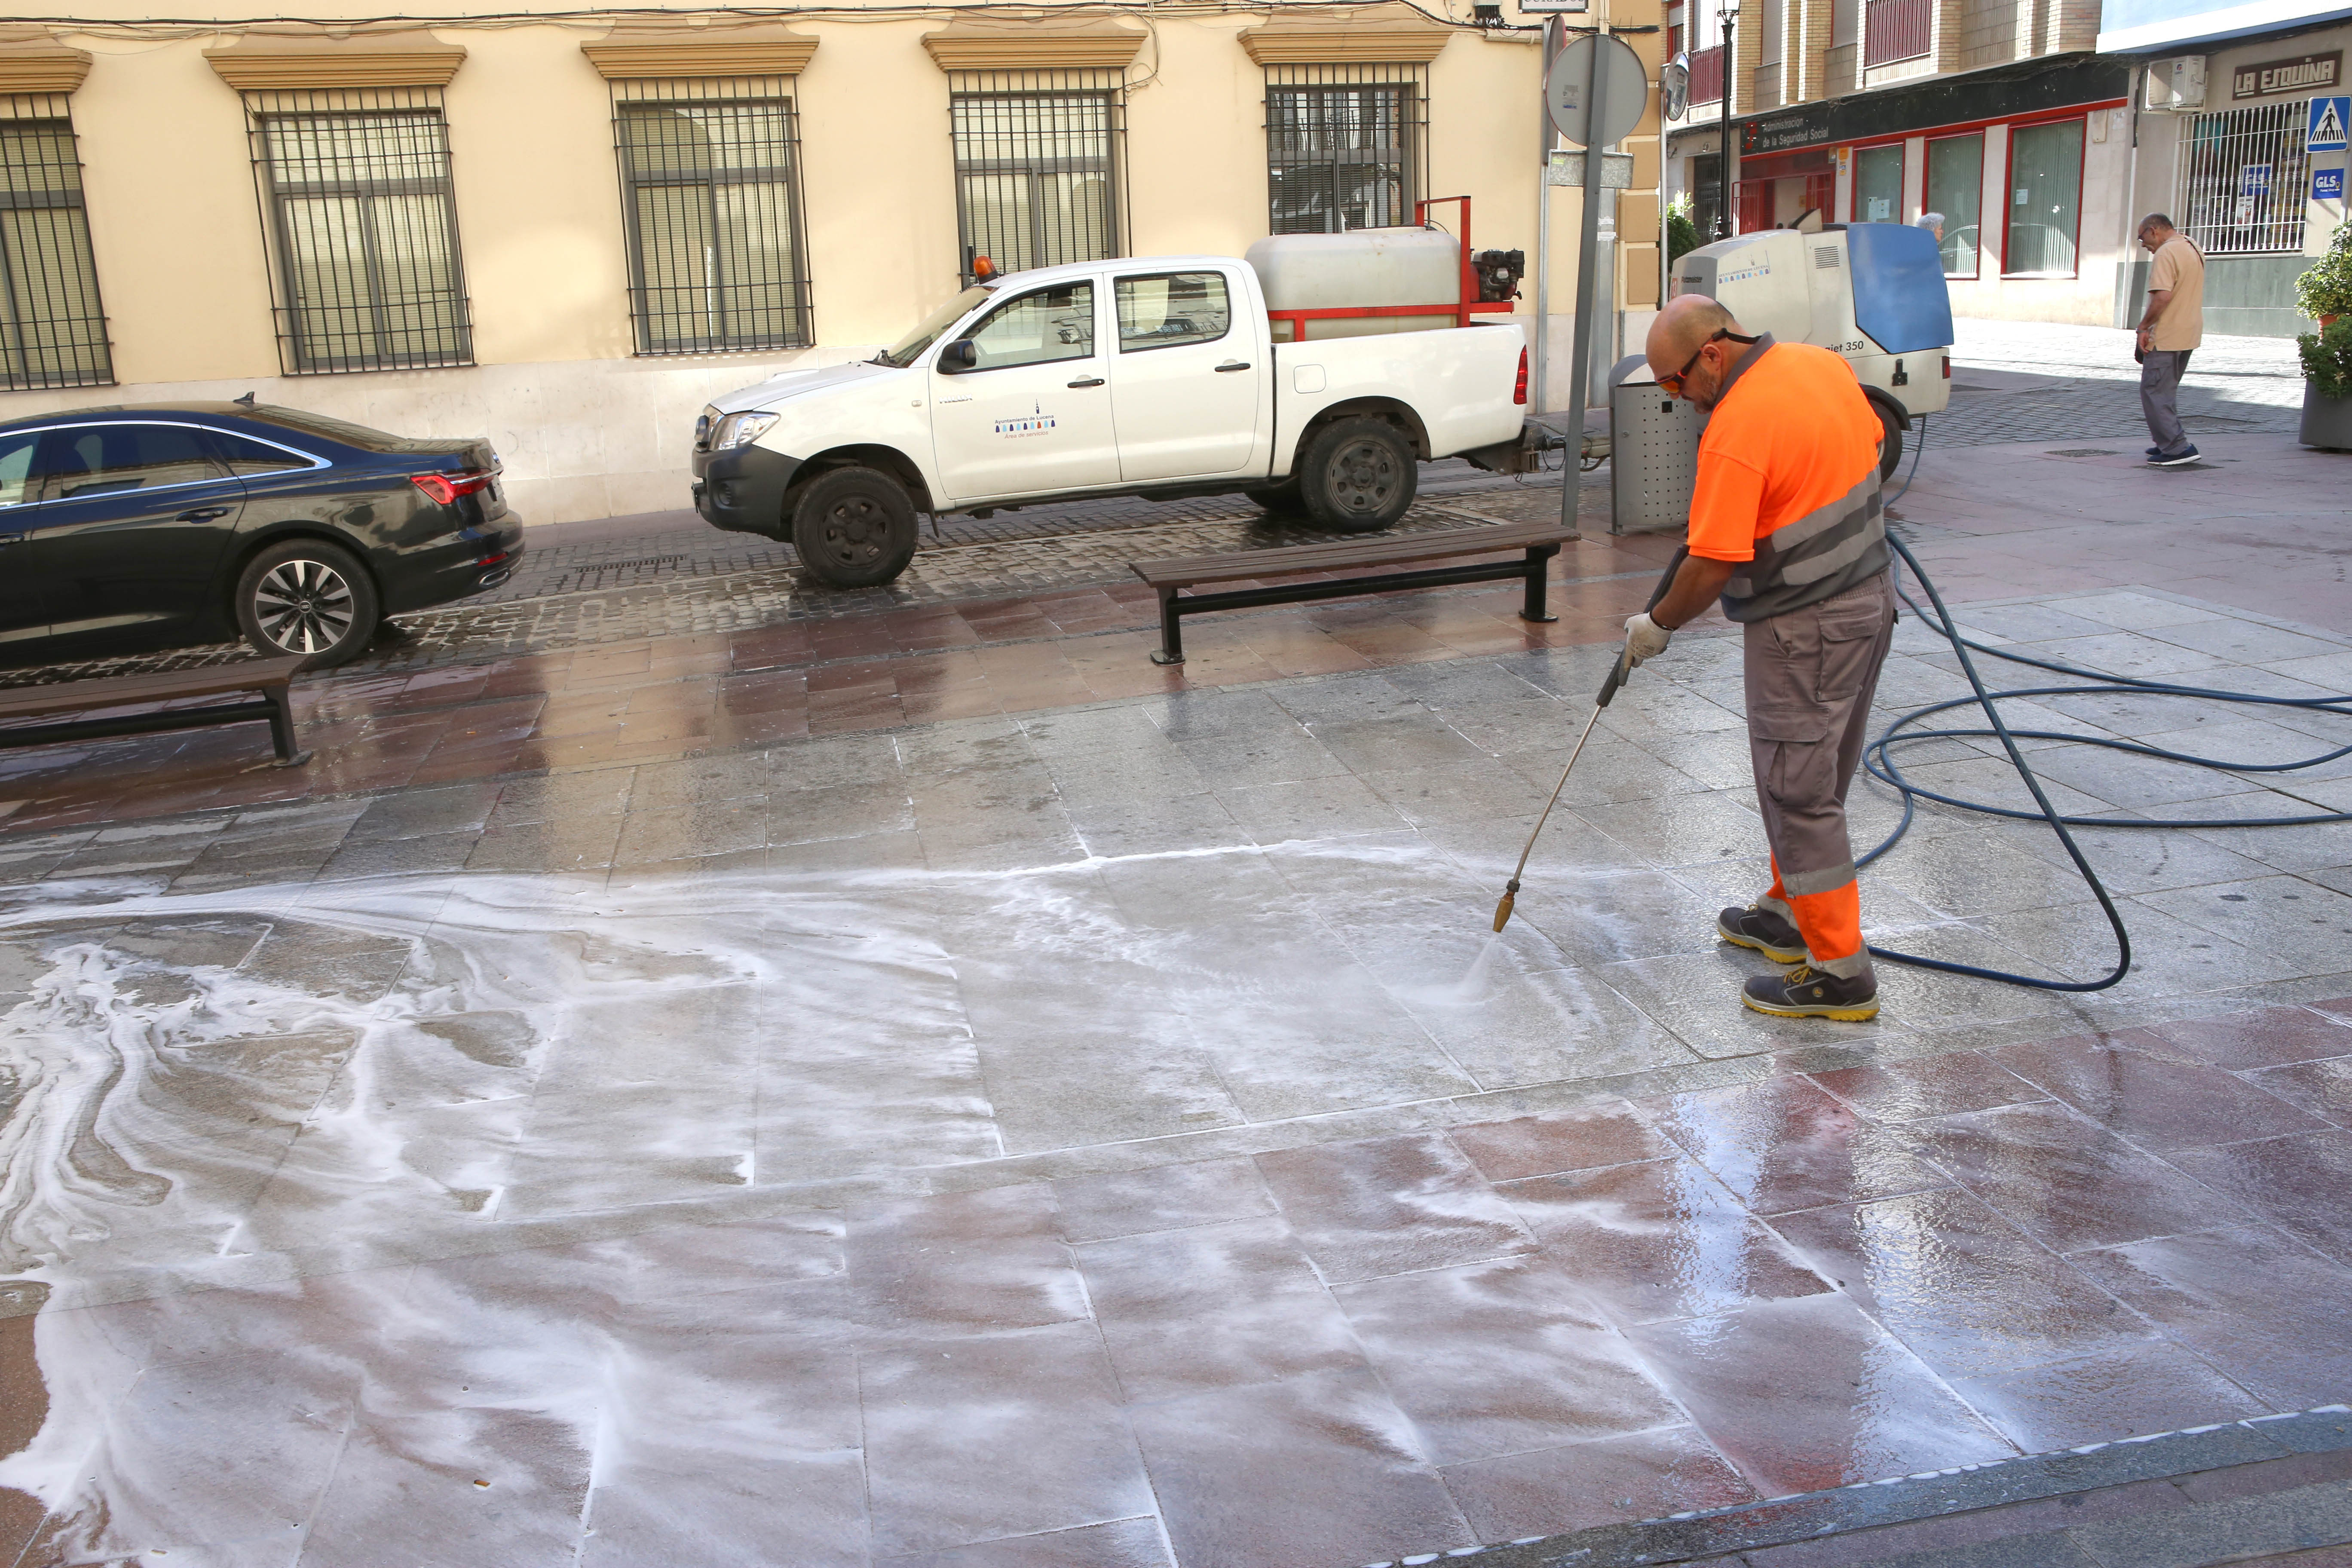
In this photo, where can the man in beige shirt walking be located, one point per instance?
(2172, 327)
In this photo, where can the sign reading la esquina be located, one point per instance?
(2304, 73)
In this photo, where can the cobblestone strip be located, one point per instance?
(477, 631)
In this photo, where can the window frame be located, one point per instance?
(296, 352)
(999, 307)
(637, 96)
(17, 365)
(1120, 329)
(1902, 145)
(1106, 87)
(1408, 84)
(50, 434)
(2009, 195)
(41, 434)
(2202, 157)
(1927, 199)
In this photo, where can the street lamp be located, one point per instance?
(1727, 18)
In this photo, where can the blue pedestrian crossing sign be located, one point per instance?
(2328, 118)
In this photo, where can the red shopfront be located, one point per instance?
(1775, 189)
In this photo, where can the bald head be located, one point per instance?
(1686, 341)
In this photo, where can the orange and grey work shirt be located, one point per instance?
(1788, 483)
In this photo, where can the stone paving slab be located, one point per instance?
(2243, 1486)
(1108, 1133)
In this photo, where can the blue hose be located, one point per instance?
(1879, 758)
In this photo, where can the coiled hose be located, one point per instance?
(1879, 758)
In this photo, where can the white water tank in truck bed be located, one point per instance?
(1362, 267)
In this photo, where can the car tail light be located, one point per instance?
(1519, 391)
(1947, 367)
(446, 487)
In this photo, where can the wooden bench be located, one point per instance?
(271, 677)
(1537, 542)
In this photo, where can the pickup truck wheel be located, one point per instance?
(1358, 475)
(855, 528)
(1890, 442)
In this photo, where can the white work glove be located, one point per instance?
(1644, 638)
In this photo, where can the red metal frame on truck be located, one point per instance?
(1460, 309)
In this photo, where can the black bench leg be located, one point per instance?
(281, 728)
(1171, 631)
(1539, 569)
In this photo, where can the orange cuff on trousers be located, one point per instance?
(1830, 922)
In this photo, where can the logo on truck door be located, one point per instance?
(1032, 424)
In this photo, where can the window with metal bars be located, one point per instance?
(1039, 174)
(52, 326)
(361, 229)
(2244, 176)
(710, 198)
(1345, 146)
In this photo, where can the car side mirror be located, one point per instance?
(961, 354)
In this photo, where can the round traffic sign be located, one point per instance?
(1625, 88)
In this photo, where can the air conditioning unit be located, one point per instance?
(2175, 85)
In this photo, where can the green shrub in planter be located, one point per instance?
(2327, 289)
(2328, 356)
(1681, 232)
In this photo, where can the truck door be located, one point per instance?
(1184, 389)
(1032, 415)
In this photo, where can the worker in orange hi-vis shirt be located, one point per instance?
(1786, 525)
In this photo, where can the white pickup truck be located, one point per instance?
(1157, 376)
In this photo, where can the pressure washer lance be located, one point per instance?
(1617, 674)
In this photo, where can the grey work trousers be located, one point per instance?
(1810, 676)
(2160, 370)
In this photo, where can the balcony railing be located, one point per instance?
(1706, 76)
(1895, 30)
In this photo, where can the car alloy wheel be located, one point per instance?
(1363, 475)
(304, 605)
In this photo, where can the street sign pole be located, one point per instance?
(1552, 35)
(1588, 253)
(1594, 93)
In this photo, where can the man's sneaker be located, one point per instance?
(2175, 461)
(1807, 993)
(1761, 928)
(2156, 451)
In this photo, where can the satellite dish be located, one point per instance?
(1674, 86)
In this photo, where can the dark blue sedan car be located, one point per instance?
(157, 524)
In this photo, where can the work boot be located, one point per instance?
(1805, 992)
(1761, 928)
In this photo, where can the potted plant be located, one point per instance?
(2324, 292)
(2327, 384)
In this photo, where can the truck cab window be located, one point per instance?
(1170, 309)
(1038, 328)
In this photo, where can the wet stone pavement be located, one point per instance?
(1105, 1136)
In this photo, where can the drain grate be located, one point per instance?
(2081, 452)
(629, 565)
(615, 573)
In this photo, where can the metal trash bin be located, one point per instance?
(1653, 452)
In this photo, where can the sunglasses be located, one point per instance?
(1673, 384)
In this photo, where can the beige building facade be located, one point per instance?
(568, 236)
